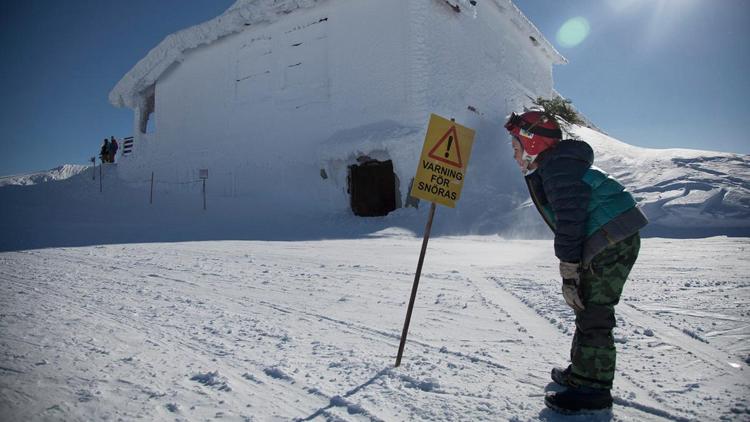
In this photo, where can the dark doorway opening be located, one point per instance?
(372, 186)
(148, 108)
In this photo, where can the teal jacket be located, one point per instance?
(585, 207)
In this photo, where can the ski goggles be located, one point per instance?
(516, 124)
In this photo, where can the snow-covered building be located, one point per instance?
(290, 102)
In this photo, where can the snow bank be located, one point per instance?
(685, 193)
(682, 191)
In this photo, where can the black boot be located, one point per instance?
(579, 399)
(562, 376)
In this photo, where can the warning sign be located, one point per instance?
(442, 165)
(443, 152)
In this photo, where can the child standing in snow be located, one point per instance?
(596, 225)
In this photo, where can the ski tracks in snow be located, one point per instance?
(664, 370)
(309, 331)
(546, 333)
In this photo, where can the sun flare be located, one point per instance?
(573, 32)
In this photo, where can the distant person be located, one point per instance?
(104, 153)
(112, 149)
(596, 225)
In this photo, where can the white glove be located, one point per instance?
(571, 275)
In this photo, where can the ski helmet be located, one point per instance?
(535, 131)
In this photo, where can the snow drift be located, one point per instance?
(685, 193)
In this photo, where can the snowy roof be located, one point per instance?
(171, 50)
(237, 17)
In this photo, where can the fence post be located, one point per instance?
(203, 174)
(151, 196)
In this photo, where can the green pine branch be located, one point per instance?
(559, 108)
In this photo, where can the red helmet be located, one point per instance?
(535, 130)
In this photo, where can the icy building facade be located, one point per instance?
(292, 102)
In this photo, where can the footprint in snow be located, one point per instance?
(277, 373)
(212, 379)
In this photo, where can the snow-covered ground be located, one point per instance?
(112, 307)
(308, 330)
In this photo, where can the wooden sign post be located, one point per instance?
(415, 286)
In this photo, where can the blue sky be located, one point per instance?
(657, 73)
(653, 73)
(59, 61)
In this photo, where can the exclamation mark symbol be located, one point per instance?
(448, 150)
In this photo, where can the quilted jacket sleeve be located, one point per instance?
(568, 196)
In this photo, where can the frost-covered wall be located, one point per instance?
(267, 107)
(482, 58)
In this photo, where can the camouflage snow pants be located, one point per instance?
(593, 352)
